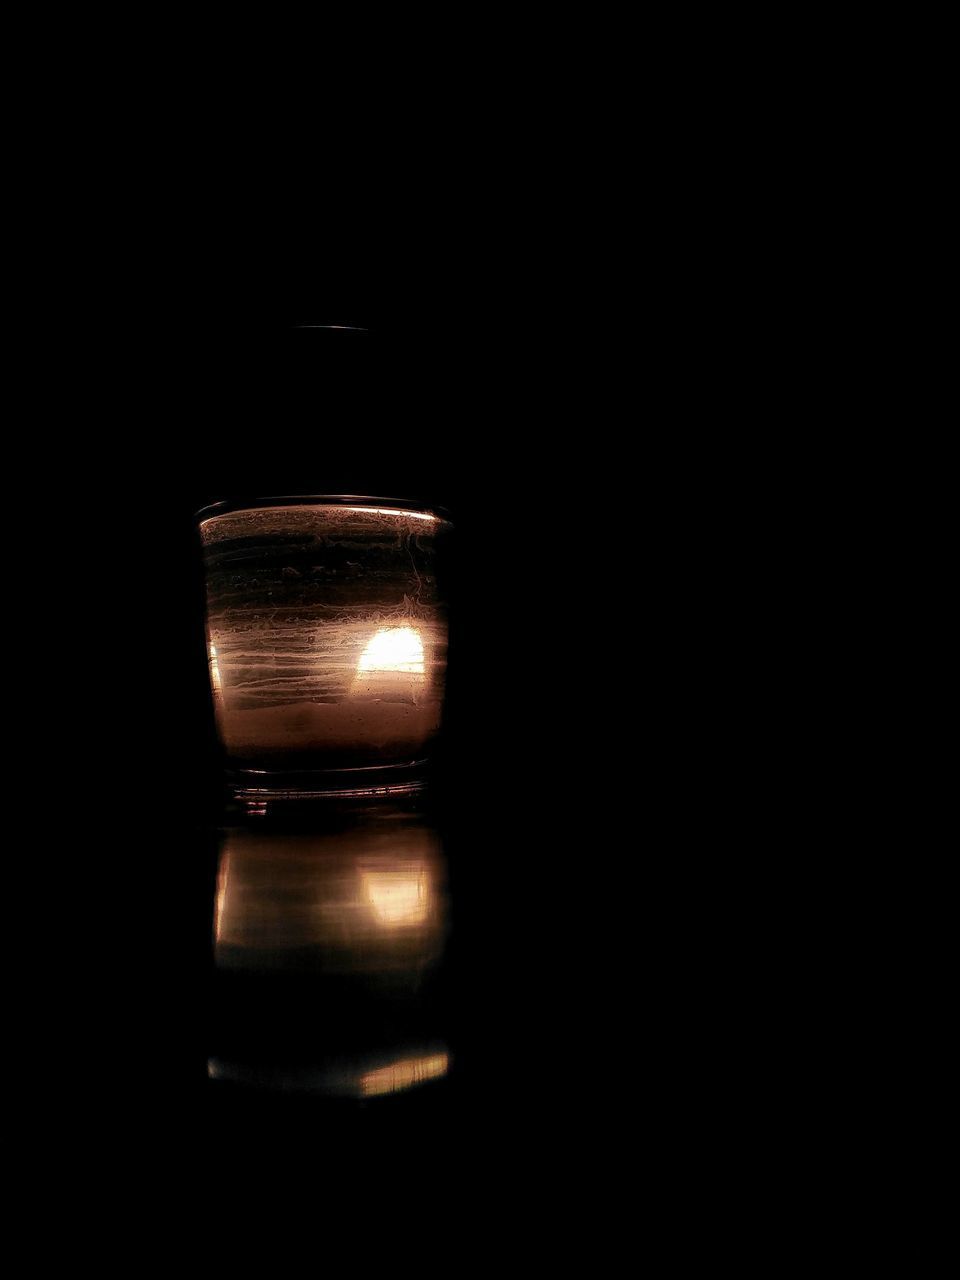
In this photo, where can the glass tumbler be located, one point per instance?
(327, 642)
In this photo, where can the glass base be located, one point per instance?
(256, 788)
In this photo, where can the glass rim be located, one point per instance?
(228, 506)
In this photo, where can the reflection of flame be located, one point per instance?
(393, 649)
(403, 1075)
(397, 897)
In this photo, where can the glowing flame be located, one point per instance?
(404, 1074)
(393, 649)
(397, 897)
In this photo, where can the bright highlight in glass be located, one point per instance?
(393, 649)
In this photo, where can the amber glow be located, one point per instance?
(403, 1074)
(221, 899)
(397, 897)
(393, 649)
(214, 670)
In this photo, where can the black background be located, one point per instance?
(597, 390)
(406, 410)
(564, 798)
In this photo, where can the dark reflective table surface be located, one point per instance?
(444, 961)
(329, 941)
(320, 968)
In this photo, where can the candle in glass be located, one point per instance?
(327, 634)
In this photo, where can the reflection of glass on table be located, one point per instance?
(364, 900)
(329, 956)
